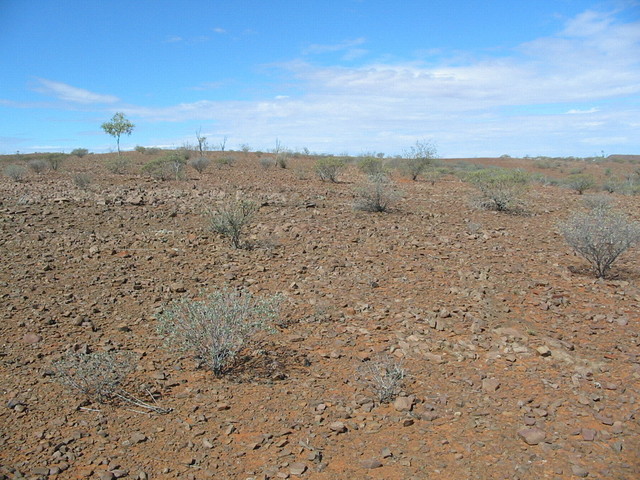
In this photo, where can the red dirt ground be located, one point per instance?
(500, 327)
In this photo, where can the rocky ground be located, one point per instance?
(520, 364)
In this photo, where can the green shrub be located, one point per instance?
(500, 189)
(118, 165)
(371, 165)
(580, 182)
(80, 152)
(231, 219)
(328, 168)
(166, 167)
(219, 326)
(226, 161)
(600, 235)
(55, 160)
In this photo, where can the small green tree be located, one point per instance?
(117, 126)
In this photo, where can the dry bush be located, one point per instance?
(231, 219)
(82, 180)
(500, 189)
(328, 168)
(385, 377)
(15, 172)
(219, 326)
(96, 375)
(377, 195)
(200, 164)
(38, 165)
(600, 236)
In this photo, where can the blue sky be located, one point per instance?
(475, 77)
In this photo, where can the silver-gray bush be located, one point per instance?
(217, 327)
(600, 235)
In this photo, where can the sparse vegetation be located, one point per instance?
(55, 160)
(580, 182)
(600, 236)
(38, 165)
(80, 152)
(385, 377)
(377, 195)
(168, 166)
(225, 161)
(219, 326)
(82, 180)
(371, 165)
(200, 164)
(231, 219)
(328, 168)
(118, 165)
(500, 189)
(15, 172)
(417, 158)
(97, 376)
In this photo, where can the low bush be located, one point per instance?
(328, 168)
(385, 377)
(200, 164)
(80, 152)
(371, 165)
(82, 180)
(600, 236)
(580, 182)
(15, 172)
(166, 167)
(376, 195)
(118, 165)
(226, 161)
(98, 375)
(55, 160)
(231, 219)
(500, 189)
(219, 326)
(38, 165)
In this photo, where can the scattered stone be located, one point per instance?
(490, 384)
(137, 437)
(297, 468)
(604, 419)
(371, 463)
(403, 404)
(338, 427)
(31, 338)
(544, 351)
(579, 471)
(386, 453)
(588, 434)
(532, 436)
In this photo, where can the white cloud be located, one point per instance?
(72, 94)
(576, 111)
(316, 49)
(219, 30)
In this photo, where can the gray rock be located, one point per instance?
(297, 468)
(371, 463)
(338, 427)
(532, 436)
(490, 384)
(403, 404)
(579, 471)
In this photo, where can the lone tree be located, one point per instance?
(118, 125)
